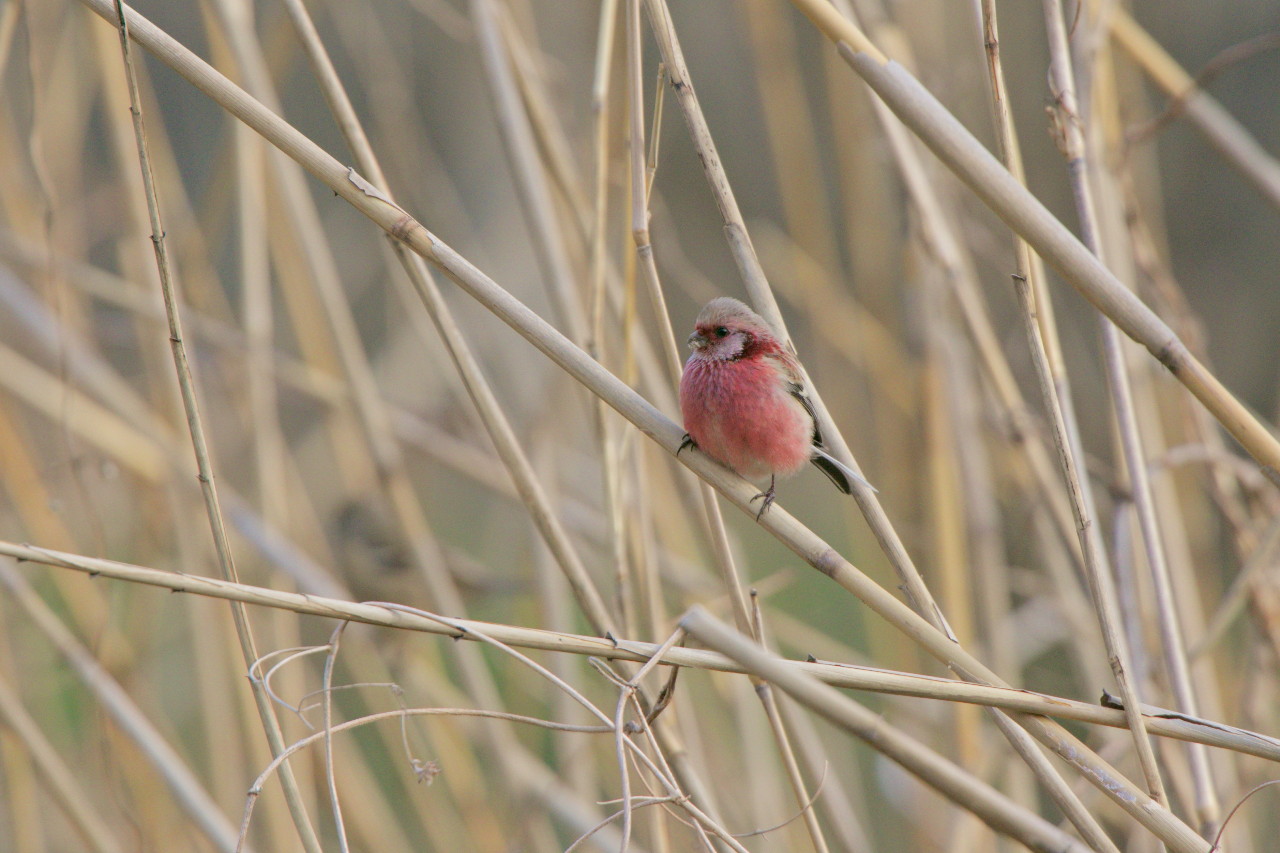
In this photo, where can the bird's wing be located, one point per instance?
(837, 472)
(789, 371)
(797, 391)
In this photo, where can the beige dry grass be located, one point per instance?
(376, 435)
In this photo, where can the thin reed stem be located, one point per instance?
(195, 425)
(1102, 581)
(1165, 724)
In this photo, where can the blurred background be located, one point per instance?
(352, 462)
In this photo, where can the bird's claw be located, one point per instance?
(686, 443)
(768, 501)
(768, 497)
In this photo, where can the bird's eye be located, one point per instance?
(721, 332)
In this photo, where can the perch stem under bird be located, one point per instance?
(744, 404)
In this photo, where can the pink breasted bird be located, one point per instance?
(744, 404)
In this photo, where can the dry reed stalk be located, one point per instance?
(1166, 724)
(1137, 433)
(781, 734)
(1102, 581)
(975, 796)
(213, 509)
(551, 241)
(647, 265)
(956, 271)
(1222, 130)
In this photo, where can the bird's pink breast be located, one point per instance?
(742, 413)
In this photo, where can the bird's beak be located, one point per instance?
(697, 341)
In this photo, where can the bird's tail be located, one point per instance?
(838, 472)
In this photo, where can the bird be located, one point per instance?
(744, 404)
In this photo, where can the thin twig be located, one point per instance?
(859, 678)
(1231, 139)
(778, 725)
(1101, 580)
(1209, 72)
(191, 406)
(326, 703)
(255, 790)
(1217, 839)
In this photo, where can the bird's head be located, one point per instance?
(726, 330)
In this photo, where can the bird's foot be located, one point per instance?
(686, 443)
(768, 497)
